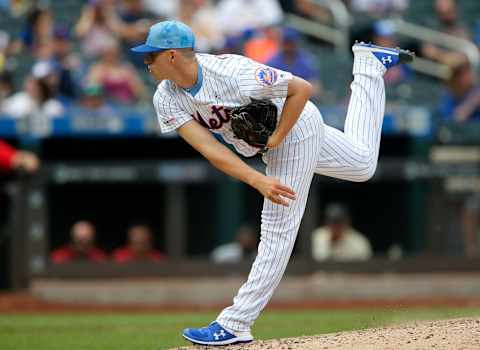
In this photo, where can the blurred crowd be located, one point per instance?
(82, 246)
(86, 68)
(335, 240)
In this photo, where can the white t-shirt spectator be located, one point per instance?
(227, 253)
(21, 105)
(352, 246)
(167, 9)
(208, 33)
(236, 16)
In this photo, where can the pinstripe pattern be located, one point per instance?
(228, 81)
(293, 163)
(310, 147)
(353, 155)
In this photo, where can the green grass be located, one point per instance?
(162, 331)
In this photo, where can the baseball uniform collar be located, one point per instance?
(197, 86)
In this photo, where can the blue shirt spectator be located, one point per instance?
(65, 63)
(133, 27)
(293, 59)
(37, 30)
(450, 104)
(461, 100)
(93, 104)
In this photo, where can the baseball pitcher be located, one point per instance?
(257, 108)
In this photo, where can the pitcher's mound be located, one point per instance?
(439, 335)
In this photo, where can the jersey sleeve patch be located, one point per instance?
(266, 76)
(169, 121)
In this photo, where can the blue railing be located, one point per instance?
(413, 121)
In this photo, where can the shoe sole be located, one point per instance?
(238, 340)
(404, 56)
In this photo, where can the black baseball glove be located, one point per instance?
(255, 122)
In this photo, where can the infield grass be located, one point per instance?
(162, 331)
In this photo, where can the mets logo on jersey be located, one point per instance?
(266, 76)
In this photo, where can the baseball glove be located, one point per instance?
(255, 122)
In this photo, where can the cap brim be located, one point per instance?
(144, 48)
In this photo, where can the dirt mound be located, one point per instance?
(439, 335)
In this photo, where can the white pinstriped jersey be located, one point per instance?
(228, 81)
(310, 147)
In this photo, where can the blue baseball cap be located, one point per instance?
(167, 35)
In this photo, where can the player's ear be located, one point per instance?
(172, 54)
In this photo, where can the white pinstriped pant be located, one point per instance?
(311, 147)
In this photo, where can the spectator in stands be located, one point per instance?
(337, 240)
(7, 87)
(4, 46)
(12, 159)
(36, 100)
(131, 26)
(37, 32)
(16, 162)
(118, 78)
(136, 20)
(162, 9)
(81, 247)
(94, 27)
(292, 58)
(263, 44)
(461, 100)
(46, 71)
(237, 16)
(199, 15)
(471, 226)
(93, 104)
(446, 21)
(65, 63)
(8, 49)
(139, 246)
(244, 247)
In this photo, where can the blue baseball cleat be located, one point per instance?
(389, 57)
(214, 334)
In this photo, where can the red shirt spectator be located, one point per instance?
(7, 153)
(139, 247)
(81, 247)
(68, 254)
(12, 159)
(126, 254)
